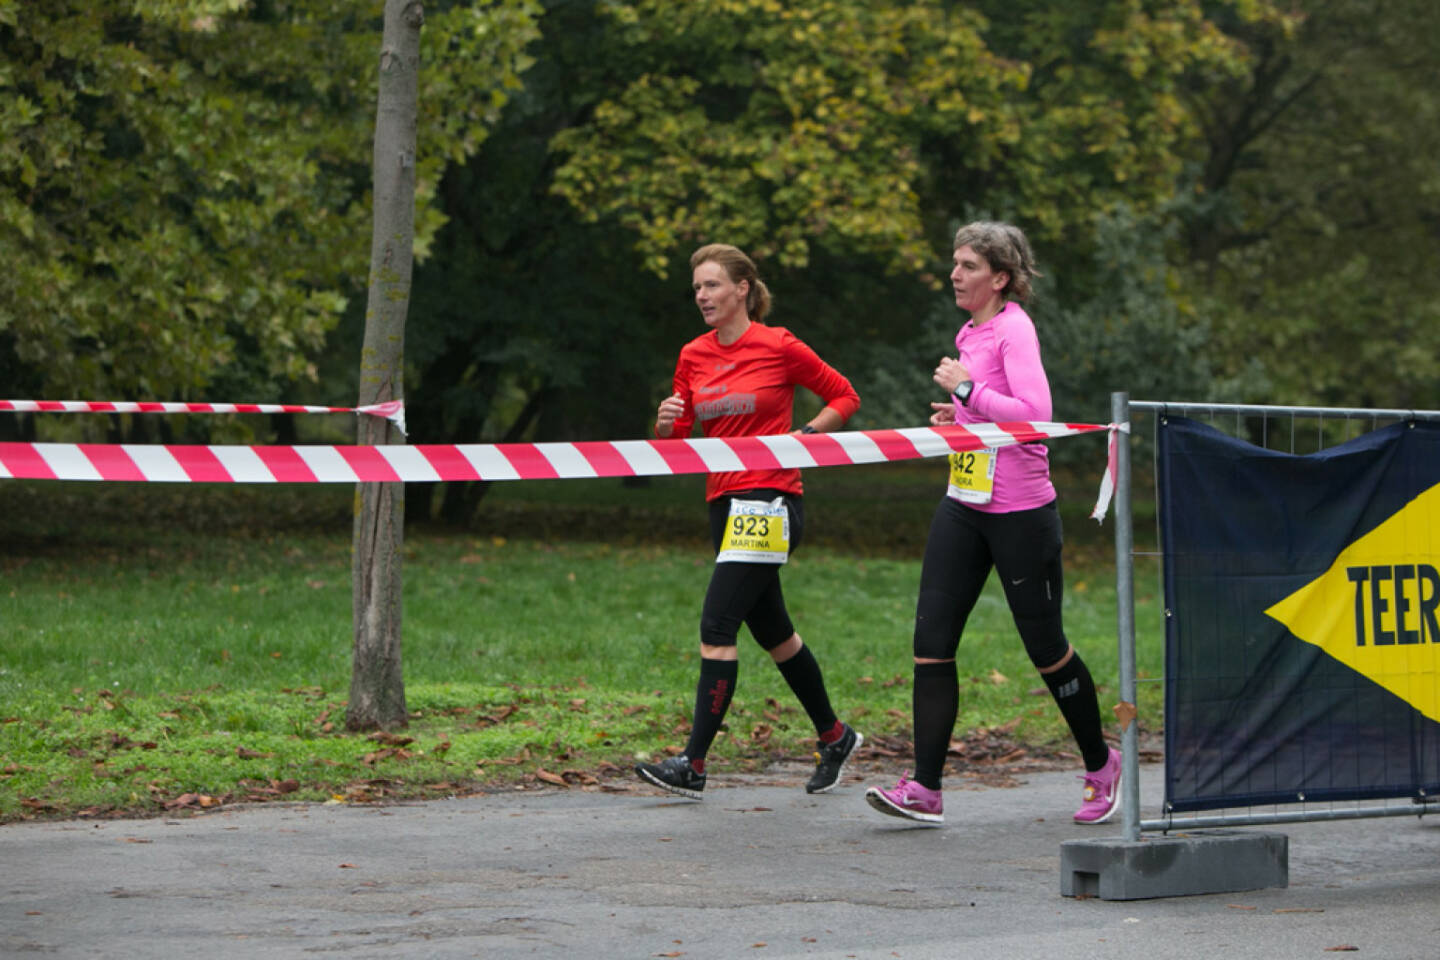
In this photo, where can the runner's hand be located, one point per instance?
(944, 414)
(670, 410)
(950, 374)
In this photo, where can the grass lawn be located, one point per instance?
(165, 647)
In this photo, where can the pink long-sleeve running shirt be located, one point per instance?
(1003, 357)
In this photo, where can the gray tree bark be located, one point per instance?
(377, 686)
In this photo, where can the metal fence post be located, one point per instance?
(1125, 616)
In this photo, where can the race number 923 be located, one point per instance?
(751, 527)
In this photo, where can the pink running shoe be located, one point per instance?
(908, 800)
(1102, 792)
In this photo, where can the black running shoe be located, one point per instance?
(674, 774)
(830, 760)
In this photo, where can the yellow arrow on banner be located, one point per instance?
(1377, 609)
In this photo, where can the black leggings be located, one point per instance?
(748, 593)
(964, 545)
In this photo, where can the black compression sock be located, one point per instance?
(936, 703)
(712, 700)
(1074, 692)
(802, 672)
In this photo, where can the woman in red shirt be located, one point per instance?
(738, 380)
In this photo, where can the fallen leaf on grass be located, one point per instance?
(522, 757)
(551, 778)
(498, 716)
(388, 753)
(245, 753)
(368, 791)
(391, 739)
(202, 800)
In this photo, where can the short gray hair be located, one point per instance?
(1004, 247)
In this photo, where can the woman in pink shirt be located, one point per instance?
(998, 512)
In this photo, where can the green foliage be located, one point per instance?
(1273, 163)
(1123, 322)
(841, 123)
(1313, 231)
(770, 124)
(182, 183)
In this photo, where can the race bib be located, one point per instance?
(972, 475)
(758, 531)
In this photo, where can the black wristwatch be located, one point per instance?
(962, 391)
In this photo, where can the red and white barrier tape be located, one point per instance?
(392, 410)
(401, 463)
(1107, 482)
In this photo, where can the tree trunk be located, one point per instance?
(377, 687)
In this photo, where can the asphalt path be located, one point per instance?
(758, 869)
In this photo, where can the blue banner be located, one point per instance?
(1302, 648)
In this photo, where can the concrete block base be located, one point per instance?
(1179, 865)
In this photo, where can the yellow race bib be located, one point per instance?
(758, 531)
(972, 475)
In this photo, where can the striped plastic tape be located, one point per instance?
(402, 463)
(392, 410)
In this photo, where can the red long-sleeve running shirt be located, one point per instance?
(747, 389)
